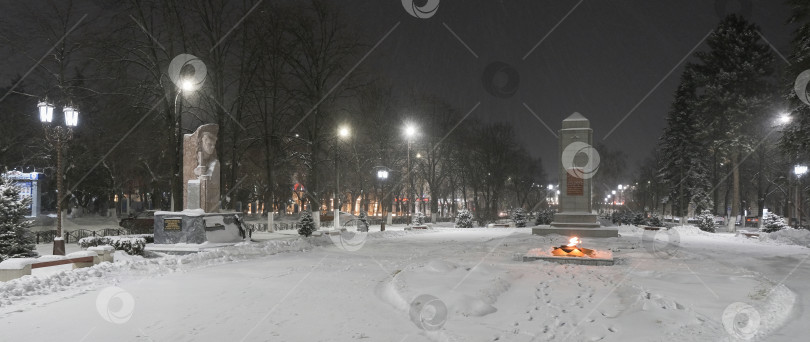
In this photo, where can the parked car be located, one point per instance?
(139, 223)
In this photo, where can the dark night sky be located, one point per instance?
(600, 61)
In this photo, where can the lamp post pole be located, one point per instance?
(382, 175)
(799, 170)
(177, 168)
(343, 132)
(59, 136)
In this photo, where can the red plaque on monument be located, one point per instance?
(575, 186)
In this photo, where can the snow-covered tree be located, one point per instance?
(519, 216)
(734, 76)
(418, 219)
(544, 217)
(655, 221)
(16, 239)
(307, 224)
(363, 224)
(464, 219)
(685, 164)
(772, 222)
(639, 220)
(706, 221)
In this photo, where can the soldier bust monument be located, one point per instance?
(201, 169)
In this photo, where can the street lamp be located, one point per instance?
(184, 85)
(799, 170)
(382, 175)
(410, 133)
(784, 118)
(342, 133)
(58, 135)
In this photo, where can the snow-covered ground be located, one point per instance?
(437, 285)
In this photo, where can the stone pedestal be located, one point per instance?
(196, 226)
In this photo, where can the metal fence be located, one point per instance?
(75, 235)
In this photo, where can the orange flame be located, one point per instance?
(574, 241)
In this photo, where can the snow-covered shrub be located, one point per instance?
(464, 219)
(307, 224)
(16, 239)
(363, 222)
(772, 222)
(519, 216)
(93, 241)
(130, 245)
(655, 221)
(418, 219)
(544, 217)
(706, 221)
(639, 220)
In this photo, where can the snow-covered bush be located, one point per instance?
(130, 245)
(639, 220)
(93, 241)
(544, 217)
(464, 219)
(772, 222)
(363, 222)
(706, 221)
(655, 221)
(16, 239)
(519, 216)
(307, 224)
(418, 219)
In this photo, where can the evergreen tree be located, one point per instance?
(544, 217)
(464, 219)
(418, 219)
(307, 224)
(795, 140)
(16, 239)
(733, 80)
(685, 166)
(363, 226)
(706, 221)
(772, 222)
(639, 220)
(655, 221)
(519, 216)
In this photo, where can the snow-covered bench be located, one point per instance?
(17, 267)
(501, 225)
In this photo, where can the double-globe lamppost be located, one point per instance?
(382, 175)
(799, 170)
(58, 135)
(410, 133)
(343, 132)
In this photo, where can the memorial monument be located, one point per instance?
(201, 169)
(201, 221)
(579, 162)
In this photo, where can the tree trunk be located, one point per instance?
(735, 193)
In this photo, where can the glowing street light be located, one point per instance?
(382, 175)
(58, 135)
(784, 118)
(344, 132)
(410, 133)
